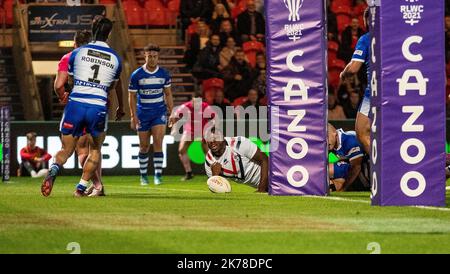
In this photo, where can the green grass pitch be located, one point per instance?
(185, 217)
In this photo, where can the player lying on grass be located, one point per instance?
(236, 158)
(344, 173)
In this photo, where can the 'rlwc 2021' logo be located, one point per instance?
(294, 30)
(412, 12)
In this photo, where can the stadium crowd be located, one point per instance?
(226, 51)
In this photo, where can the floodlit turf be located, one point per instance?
(179, 217)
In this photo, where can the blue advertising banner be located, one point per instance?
(408, 106)
(296, 54)
(57, 23)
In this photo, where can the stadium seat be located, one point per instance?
(251, 48)
(263, 101)
(135, 13)
(343, 20)
(212, 83)
(335, 3)
(152, 4)
(239, 8)
(359, 9)
(108, 2)
(174, 6)
(332, 50)
(156, 17)
(8, 7)
(239, 101)
(343, 10)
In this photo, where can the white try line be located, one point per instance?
(447, 188)
(368, 202)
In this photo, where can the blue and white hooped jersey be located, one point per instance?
(94, 68)
(150, 87)
(362, 53)
(349, 147)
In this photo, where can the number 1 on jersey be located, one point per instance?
(95, 68)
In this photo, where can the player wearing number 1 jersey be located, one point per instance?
(93, 71)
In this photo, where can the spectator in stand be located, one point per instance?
(335, 111)
(352, 105)
(349, 38)
(251, 102)
(197, 42)
(227, 52)
(251, 24)
(193, 11)
(226, 30)
(208, 61)
(220, 13)
(221, 102)
(34, 159)
(229, 5)
(346, 86)
(259, 6)
(238, 76)
(259, 83)
(332, 26)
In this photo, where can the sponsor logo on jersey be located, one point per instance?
(99, 54)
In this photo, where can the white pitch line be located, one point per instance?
(447, 188)
(367, 202)
(338, 199)
(433, 208)
(307, 196)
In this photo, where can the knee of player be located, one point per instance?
(144, 148)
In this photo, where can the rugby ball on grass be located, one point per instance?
(218, 184)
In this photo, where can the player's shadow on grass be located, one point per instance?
(171, 197)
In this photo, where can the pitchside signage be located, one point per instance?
(408, 106)
(5, 142)
(56, 23)
(296, 49)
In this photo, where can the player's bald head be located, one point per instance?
(331, 136)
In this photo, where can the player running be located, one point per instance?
(362, 56)
(150, 100)
(82, 148)
(94, 70)
(192, 128)
(352, 162)
(237, 158)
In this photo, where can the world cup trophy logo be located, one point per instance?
(294, 9)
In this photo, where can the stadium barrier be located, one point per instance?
(120, 149)
(407, 106)
(297, 88)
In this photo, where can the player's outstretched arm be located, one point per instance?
(352, 68)
(355, 169)
(262, 160)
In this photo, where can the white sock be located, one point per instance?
(33, 174)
